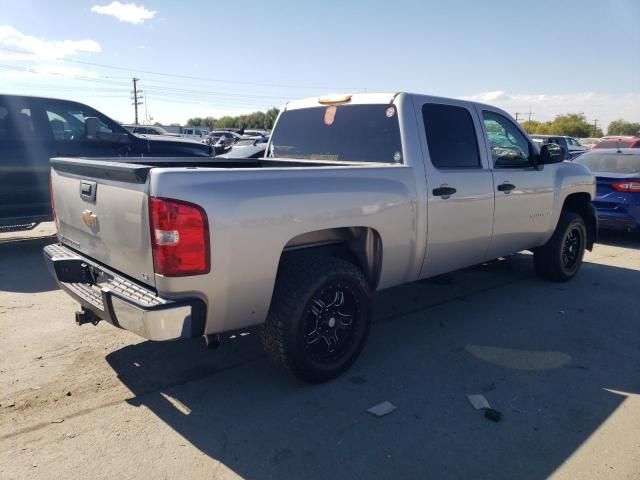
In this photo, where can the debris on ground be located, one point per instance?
(382, 409)
(57, 420)
(68, 394)
(493, 415)
(480, 402)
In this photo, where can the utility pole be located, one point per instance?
(136, 97)
(516, 115)
(595, 127)
(530, 115)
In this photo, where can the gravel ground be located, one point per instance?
(560, 361)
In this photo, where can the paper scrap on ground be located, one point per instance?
(382, 409)
(479, 402)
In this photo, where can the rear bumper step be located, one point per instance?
(121, 302)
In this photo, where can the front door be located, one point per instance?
(524, 194)
(67, 134)
(459, 184)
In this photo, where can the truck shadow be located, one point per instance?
(546, 355)
(619, 239)
(22, 266)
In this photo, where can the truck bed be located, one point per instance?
(256, 210)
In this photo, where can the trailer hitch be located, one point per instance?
(86, 316)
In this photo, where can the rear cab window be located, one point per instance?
(451, 136)
(349, 133)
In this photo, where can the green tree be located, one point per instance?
(622, 127)
(571, 124)
(257, 120)
(195, 122)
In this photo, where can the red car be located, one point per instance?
(619, 142)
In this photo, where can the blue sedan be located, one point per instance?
(617, 173)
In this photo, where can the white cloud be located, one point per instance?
(12, 39)
(602, 106)
(125, 12)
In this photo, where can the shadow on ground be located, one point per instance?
(22, 266)
(619, 239)
(542, 353)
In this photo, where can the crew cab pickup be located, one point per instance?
(355, 194)
(32, 130)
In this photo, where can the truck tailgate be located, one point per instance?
(102, 211)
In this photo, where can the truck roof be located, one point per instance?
(365, 98)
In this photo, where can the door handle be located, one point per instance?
(444, 191)
(506, 187)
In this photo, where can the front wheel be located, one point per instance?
(319, 318)
(560, 259)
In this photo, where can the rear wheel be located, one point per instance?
(319, 317)
(560, 259)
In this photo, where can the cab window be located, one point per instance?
(509, 147)
(451, 136)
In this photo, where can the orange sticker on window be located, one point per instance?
(330, 115)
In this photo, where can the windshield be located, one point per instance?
(610, 162)
(353, 133)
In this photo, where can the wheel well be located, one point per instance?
(580, 203)
(361, 246)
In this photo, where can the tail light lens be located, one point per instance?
(179, 237)
(627, 186)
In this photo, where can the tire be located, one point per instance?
(560, 259)
(312, 329)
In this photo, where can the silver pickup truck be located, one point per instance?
(355, 194)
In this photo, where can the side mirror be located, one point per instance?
(91, 127)
(550, 153)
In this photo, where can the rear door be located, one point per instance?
(459, 183)
(24, 161)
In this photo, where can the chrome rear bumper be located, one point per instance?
(121, 302)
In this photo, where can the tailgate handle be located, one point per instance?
(88, 190)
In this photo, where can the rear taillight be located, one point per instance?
(627, 186)
(179, 237)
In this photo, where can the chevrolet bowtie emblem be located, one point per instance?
(89, 218)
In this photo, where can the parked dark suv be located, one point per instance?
(32, 130)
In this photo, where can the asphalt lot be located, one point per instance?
(560, 361)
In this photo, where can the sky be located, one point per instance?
(209, 58)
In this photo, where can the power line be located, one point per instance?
(174, 75)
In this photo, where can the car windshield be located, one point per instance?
(355, 133)
(610, 162)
